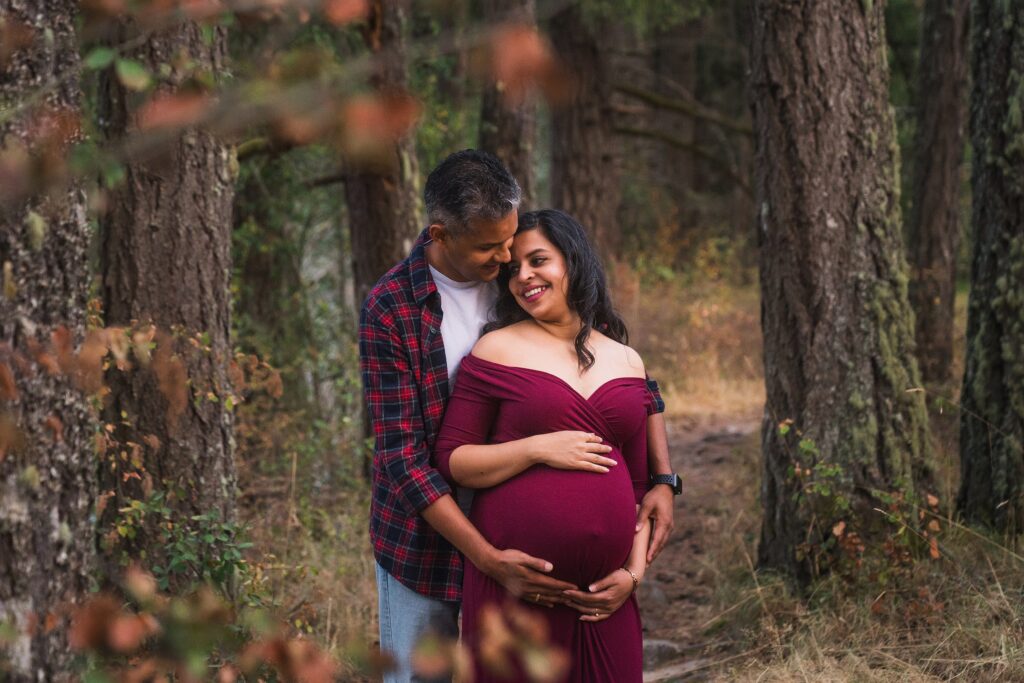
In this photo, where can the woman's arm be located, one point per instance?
(483, 465)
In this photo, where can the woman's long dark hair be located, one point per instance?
(588, 287)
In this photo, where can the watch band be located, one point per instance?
(672, 480)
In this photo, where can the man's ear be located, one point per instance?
(438, 233)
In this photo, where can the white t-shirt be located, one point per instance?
(465, 307)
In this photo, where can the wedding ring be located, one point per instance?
(536, 597)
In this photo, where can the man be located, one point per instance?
(415, 327)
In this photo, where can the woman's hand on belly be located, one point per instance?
(569, 450)
(605, 596)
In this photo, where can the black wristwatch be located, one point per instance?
(672, 480)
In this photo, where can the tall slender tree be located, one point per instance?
(934, 227)
(584, 163)
(508, 130)
(992, 419)
(166, 261)
(838, 328)
(47, 470)
(383, 197)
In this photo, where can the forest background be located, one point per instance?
(812, 217)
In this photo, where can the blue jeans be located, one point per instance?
(405, 617)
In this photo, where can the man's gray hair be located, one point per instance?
(466, 185)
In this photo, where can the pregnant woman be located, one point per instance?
(554, 360)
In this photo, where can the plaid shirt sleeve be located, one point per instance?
(392, 399)
(659, 404)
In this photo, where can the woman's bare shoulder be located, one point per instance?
(629, 361)
(497, 346)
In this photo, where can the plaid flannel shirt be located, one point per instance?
(405, 379)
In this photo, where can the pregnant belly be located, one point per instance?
(581, 522)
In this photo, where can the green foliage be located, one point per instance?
(646, 16)
(202, 550)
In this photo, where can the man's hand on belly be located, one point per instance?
(525, 576)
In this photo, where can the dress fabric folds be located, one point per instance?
(581, 522)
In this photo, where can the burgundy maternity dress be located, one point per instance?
(581, 522)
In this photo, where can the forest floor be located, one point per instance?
(714, 454)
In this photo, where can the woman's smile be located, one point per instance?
(533, 293)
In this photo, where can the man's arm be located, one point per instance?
(519, 573)
(657, 504)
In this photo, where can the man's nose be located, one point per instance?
(504, 254)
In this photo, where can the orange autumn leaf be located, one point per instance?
(11, 437)
(839, 528)
(933, 548)
(340, 12)
(932, 501)
(172, 380)
(56, 427)
(14, 35)
(176, 110)
(520, 59)
(8, 390)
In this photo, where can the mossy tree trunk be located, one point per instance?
(166, 260)
(992, 419)
(508, 130)
(838, 328)
(383, 198)
(934, 225)
(47, 467)
(584, 163)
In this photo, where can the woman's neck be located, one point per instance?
(565, 329)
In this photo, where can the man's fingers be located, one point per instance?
(534, 563)
(658, 540)
(545, 584)
(646, 508)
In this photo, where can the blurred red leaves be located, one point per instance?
(517, 638)
(161, 626)
(172, 379)
(173, 110)
(340, 12)
(371, 124)
(8, 390)
(293, 659)
(518, 59)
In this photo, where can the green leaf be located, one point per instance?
(132, 75)
(99, 58)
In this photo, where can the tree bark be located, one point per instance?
(383, 199)
(838, 329)
(166, 260)
(47, 471)
(934, 229)
(584, 163)
(507, 130)
(992, 419)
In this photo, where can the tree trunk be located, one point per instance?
(509, 131)
(838, 329)
(383, 199)
(166, 260)
(992, 419)
(584, 165)
(47, 471)
(934, 230)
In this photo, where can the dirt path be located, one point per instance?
(712, 454)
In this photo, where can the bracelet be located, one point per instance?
(632, 575)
